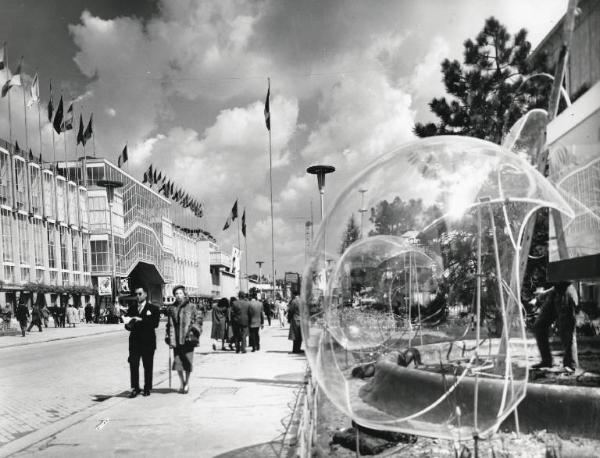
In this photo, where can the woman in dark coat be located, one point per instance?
(184, 326)
(295, 334)
(219, 323)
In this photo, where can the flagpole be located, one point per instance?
(43, 212)
(67, 174)
(25, 116)
(55, 164)
(240, 248)
(271, 191)
(246, 248)
(84, 157)
(11, 148)
(93, 137)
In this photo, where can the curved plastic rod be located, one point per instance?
(547, 75)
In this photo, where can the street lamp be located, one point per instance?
(110, 186)
(260, 263)
(362, 211)
(320, 171)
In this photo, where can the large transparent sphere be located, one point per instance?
(416, 326)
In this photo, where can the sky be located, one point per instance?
(183, 84)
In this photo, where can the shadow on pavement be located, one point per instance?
(269, 381)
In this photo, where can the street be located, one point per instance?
(65, 397)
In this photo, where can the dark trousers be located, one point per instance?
(23, 325)
(268, 318)
(33, 323)
(566, 329)
(240, 333)
(147, 357)
(297, 344)
(255, 338)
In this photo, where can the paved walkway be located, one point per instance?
(239, 405)
(51, 333)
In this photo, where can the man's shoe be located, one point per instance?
(253, 350)
(134, 392)
(146, 393)
(541, 365)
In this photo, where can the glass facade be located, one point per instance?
(7, 239)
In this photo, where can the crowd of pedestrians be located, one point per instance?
(236, 322)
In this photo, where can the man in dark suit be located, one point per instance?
(240, 317)
(144, 319)
(257, 321)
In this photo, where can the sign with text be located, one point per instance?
(104, 286)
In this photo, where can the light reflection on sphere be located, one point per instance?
(415, 286)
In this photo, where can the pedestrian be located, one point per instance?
(144, 319)
(217, 331)
(257, 322)
(45, 315)
(71, 313)
(559, 304)
(36, 318)
(267, 309)
(6, 317)
(240, 317)
(295, 333)
(281, 312)
(89, 313)
(184, 327)
(22, 315)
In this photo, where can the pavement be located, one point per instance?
(239, 405)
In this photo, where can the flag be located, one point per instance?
(2, 64)
(34, 91)
(14, 80)
(50, 106)
(58, 117)
(244, 223)
(124, 154)
(40, 158)
(88, 130)
(145, 180)
(30, 155)
(231, 217)
(150, 175)
(267, 108)
(80, 132)
(68, 121)
(17, 150)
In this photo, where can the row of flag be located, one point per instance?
(61, 121)
(233, 215)
(166, 187)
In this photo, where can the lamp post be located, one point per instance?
(260, 263)
(110, 186)
(320, 171)
(362, 211)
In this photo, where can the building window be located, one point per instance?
(35, 189)
(85, 242)
(75, 252)
(39, 275)
(38, 242)
(53, 277)
(64, 261)
(100, 256)
(60, 199)
(51, 246)
(20, 184)
(23, 240)
(4, 179)
(25, 275)
(65, 278)
(9, 274)
(49, 195)
(7, 236)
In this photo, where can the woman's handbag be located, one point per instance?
(192, 339)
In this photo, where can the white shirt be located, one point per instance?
(141, 306)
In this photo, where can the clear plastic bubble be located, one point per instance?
(390, 324)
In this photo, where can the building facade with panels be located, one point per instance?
(45, 232)
(149, 249)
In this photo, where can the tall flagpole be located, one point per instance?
(25, 117)
(53, 141)
(240, 248)
(271, 191)
(43, 212)
(11, 148)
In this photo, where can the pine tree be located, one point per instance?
(487, 91)
(351, 234)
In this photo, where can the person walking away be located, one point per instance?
(295, 333)
(257, 322)
(6, 317)
(143, 320)
(45, 315)
(217, 331)
(22, 315)
(267, 308)
(560, 304)
(240, 316)
(281, 311)
(89, 313)
(184, 327)
(36, 318)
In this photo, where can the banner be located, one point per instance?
(104, 286)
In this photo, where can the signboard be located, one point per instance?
(124, 285)
(104, 286)
(292, 277)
